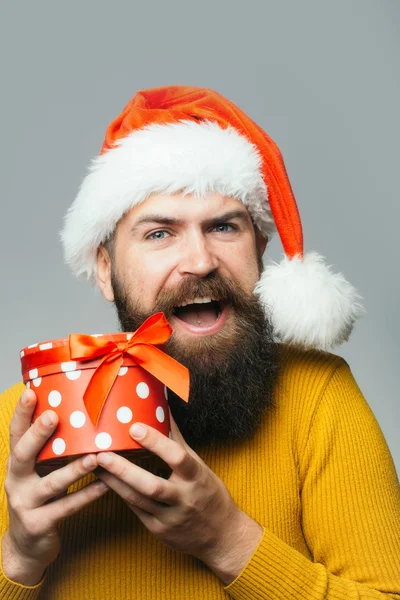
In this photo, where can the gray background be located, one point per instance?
(321, 77)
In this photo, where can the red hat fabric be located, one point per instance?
(172, 104)
(183, 138)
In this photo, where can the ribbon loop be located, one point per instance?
(142, 348)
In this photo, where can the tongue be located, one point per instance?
(199, 315)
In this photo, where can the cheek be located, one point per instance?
(145, 276)
(243, 266)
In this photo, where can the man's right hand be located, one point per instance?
(35, 507)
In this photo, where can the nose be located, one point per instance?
(197, 258)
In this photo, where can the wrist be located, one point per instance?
(234, 550)
(16, 567)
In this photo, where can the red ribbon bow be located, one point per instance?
(142, 347)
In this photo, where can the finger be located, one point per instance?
(186, 464)
(131, 496)
(22, 417)
(23, 457)
(59, 481)
(178, 437)
(139, 479)
(148, 520)
(56, 511)
(176, 434)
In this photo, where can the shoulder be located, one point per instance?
(303, 380)
(8, 402)
(308, 370)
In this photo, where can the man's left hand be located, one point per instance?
(192, 511)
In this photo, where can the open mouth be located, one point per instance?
(201, 315)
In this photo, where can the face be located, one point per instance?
(168, 241)
(197, 260)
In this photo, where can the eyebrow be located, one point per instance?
(165, 220)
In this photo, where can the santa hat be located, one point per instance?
(183, 138)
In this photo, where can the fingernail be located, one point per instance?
(24, 399)
(101, 485)
(104, 458)
(138, 430)
(46, 420)
(88, 462)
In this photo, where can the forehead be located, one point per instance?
(188, 208)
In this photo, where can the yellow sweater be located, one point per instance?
(318, 476)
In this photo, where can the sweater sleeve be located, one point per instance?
(9, 590)
(350, 497)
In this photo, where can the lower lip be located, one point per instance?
(214, 328)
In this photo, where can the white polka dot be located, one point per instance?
(33, 373)
(58, 446)
(54, 398)
(160, 414)
(103, 440)
(142, 390)
(96, 334)
(36, 382)
(124, 414)
(32, 346)
(77, 419)
(22, 353)
(28, 384)
(68, 366)
(72, 375)
(123, 371)
(46, 346)
(166, 392)
(129, 335)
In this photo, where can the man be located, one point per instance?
(277, 482)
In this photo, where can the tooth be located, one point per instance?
(201, 300)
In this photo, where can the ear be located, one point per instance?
(261, 241)
(104, 273)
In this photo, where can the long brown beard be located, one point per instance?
(232, 373)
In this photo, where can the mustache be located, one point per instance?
(212, 286)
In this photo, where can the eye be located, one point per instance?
(223, 227)
(158, 235)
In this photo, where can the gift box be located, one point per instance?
(100, 384)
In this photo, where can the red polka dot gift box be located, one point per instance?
(100, 384)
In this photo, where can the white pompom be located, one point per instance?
(308, 304)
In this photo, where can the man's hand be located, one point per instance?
(192, 511)
(35, 507)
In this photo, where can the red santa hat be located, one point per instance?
(183, 138)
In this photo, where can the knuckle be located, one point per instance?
(17, 458)
(50, 487)
(77, 470)
(8, 486)
(67, 507)
(37, 431)
(160, 529)
(184, 460)
(16, 504)
(135, 500)
(120, 471)
(32, 526)
(155, 489)
(8, 463)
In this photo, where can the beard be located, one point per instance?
(232, 373)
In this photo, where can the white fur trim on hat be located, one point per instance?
(189, 156)
(308, 304)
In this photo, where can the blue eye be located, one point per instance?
(222, 228)
(157, 235)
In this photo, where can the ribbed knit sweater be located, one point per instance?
(317, 476)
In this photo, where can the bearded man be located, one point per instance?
(276, 481)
